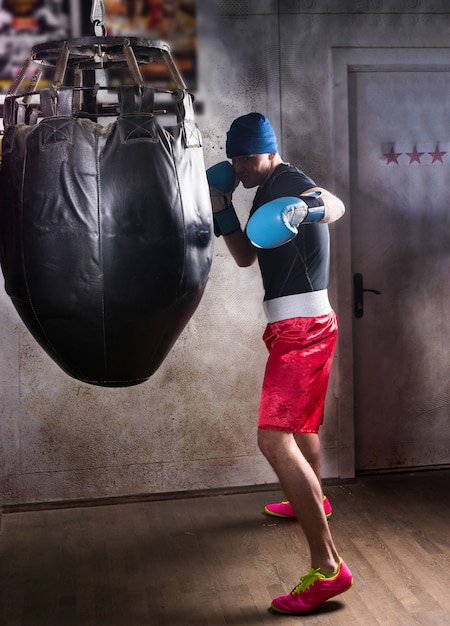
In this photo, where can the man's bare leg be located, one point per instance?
(309, 444)
(302, 487)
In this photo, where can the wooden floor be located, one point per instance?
(217, 560)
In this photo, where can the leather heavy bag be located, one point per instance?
(105, 235)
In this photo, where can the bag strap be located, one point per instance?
(191, 133)
(131, 102)
(56, 103)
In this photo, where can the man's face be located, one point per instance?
(252, 169)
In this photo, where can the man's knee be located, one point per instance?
(309, 444)
(271, 443)
(264, 443)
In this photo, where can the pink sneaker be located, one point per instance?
(313, 590)
(284, 509)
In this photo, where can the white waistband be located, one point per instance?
(311, 304)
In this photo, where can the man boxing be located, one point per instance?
(288, 234)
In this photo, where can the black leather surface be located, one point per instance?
(105, 240)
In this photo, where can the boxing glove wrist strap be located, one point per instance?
(226, 222)
(316, 209)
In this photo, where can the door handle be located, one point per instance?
(358, 294)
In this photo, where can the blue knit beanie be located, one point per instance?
(251, 134)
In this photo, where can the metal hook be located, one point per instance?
(98, 17)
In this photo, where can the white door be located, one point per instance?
(399, 167)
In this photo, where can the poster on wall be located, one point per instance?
(27, 23)
(171, 21)
(24, 24)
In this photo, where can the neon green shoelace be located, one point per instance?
(308, 580)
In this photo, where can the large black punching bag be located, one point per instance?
(105, 232)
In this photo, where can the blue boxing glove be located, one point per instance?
(276, 222)
(222, 181)
(222, 177)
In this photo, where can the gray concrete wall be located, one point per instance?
(193, 424)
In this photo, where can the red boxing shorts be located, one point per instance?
(297, 373)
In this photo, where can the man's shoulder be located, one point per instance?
(291, 177)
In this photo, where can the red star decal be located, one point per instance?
(414, 155)
(392, 156)
(437, 155)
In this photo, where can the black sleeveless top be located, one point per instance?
(301, 265)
